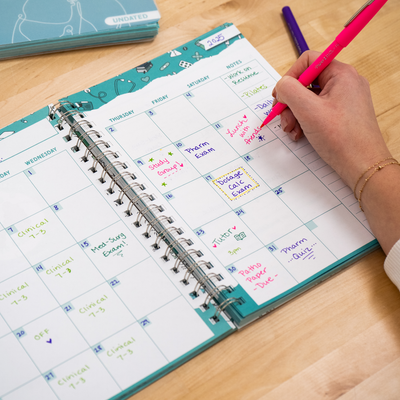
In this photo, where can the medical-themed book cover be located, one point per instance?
(33, 22)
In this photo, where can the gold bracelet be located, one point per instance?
(378, 168)
(372, 166)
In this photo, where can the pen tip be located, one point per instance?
(262, 125)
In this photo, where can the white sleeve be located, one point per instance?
(392, 264)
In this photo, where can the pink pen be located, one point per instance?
(351, 29)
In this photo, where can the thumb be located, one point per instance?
(298, 98)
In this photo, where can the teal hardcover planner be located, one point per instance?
(41, 26)
(144, 219)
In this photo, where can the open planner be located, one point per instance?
(146, 218)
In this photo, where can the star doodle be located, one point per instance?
(151, 160)
(261, 138)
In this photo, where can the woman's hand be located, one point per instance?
(339, 121)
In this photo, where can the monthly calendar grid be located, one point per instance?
(247, 108)
(50, 291)
(83, 294)
(105, 281)
(248, 227)
(81, 333)
(169, 278)
(239, 157)
(78, 330)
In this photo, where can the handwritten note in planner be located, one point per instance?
(83, 299)
(264, 208)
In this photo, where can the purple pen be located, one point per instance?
(295, 31)
(297, 36)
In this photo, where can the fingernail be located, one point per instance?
(283, 123)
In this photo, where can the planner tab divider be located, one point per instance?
(225, 301)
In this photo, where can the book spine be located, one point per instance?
(148, 213)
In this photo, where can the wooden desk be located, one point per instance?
(340, 339)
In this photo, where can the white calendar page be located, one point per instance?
(267, 210)
(87, 308)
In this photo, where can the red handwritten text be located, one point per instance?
(158, 164)
(253, 135)
(237, 127)
(265, 283)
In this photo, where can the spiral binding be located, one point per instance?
(80, 139)
(64, 117)
(111, 165)
(224, 305)
(56, 107)
(210, 295)
(80, 123)
(146, 210)
(189, 272)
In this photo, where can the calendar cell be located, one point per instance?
(19, 199)
(195, 212)
(269, 218)
(83, 220)
(301, 252)
(313, 202)
(40, 236)
(52, 339)
(179, 324)
(237, 183)
(99, 313)
(224, 101)
(130, 355)
(141, 298)
(83, 377)
(37, 386)
(63, 173)
(229, 239)
(23, 298)
(178, 118)
(14, 374)
(349, 236)
(131, 139)
(68, 274)
(276, 164)
(168, 168)
(207, 150)
(242, 131)
(12, 261)
(262, 276)
(114, 250)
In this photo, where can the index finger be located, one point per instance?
(306, 59)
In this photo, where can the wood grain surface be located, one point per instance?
(338, 340)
